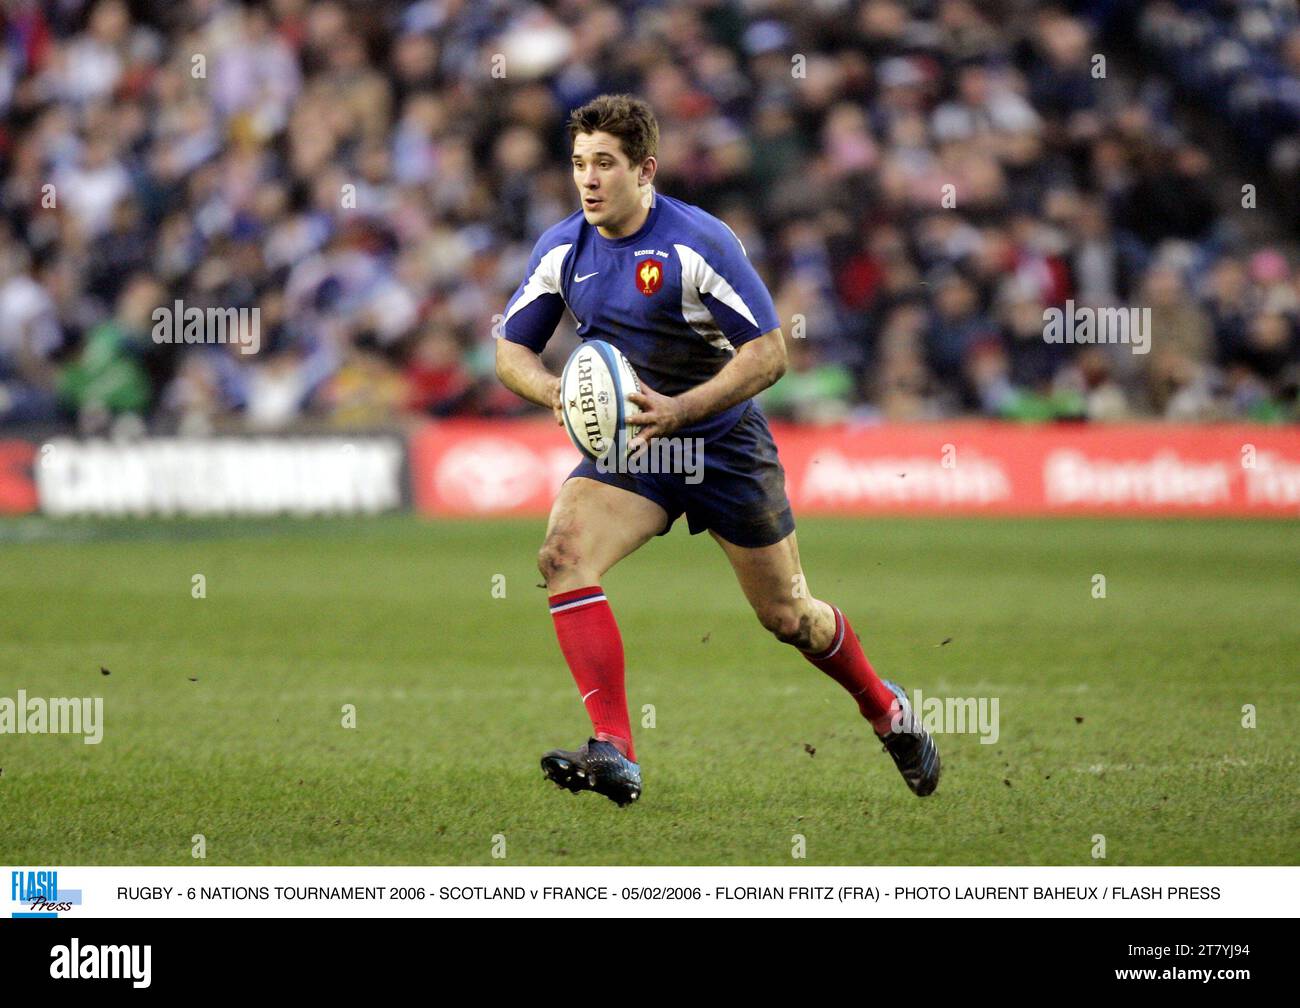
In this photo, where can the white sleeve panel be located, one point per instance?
(698, 277)
(545, 279)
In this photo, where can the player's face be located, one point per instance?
(609, 185)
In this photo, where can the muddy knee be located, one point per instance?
(788, 625)
(558, 556)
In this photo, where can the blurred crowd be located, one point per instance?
(917, 182)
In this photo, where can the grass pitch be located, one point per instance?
(1119, 716)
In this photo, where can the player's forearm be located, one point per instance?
(757, 365)
(521, 371)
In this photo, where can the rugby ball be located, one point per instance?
(593, 389)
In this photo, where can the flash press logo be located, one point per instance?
(192, 325)
(36, 893)
(75, 961)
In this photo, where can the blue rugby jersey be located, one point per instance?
(677, 298)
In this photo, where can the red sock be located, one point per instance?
(845, 662)
(589, 638)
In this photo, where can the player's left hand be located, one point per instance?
(660, 415)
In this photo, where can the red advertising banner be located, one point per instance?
(515, 467)
(17, 488)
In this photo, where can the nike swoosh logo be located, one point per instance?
(579, 279)
(596, 690)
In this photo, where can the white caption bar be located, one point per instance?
(505, 891)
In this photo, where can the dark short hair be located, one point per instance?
(623, 116)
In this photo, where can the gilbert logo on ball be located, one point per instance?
(649, 276)
(593, 389)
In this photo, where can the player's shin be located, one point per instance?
(845, 662)
(593, 648)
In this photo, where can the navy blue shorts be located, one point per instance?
(740, 492)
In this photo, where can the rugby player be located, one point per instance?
(671, 287)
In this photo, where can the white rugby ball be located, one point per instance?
(594, 388)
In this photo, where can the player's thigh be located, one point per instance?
(593, 526)
(770, 576)
(773, 581)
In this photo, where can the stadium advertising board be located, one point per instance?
(475, 468)
(466, 468)
(315, 475)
